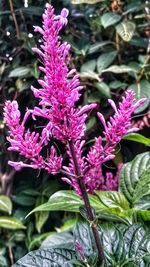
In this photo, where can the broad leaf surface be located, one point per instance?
(47, 258)
(131, 179)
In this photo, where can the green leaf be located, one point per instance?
(24, 199)
(60, 240)
(137, 138)
(83, 233)
(89, 66)
(90, 75)
(117, 84)
(61, 200)
(90, 123)
(113, 199)
(5, 204)
(70, 201)
(126, 30)
(142, 215)
(125, 246)
(104, 60)
(141, 91)
(40, 217)
(47, 257)
(120, 69)
(116, 207)
(109, 19)
(131, 178)
(19, 72)
(103, 89)
(141, 194)
(114, 247)
(97, 46)
(11, 223)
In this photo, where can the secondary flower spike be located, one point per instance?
(58, 95)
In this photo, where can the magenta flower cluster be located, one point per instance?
(58, 94)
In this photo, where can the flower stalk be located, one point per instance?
(90, 215)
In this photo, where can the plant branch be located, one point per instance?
(14, 18)
(85, 197)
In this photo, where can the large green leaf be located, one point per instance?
(42, 216)
(19, 72)
(62, 240)
(132, 184)
(120, 69)
(47, 257)
(109, 19)
(123, 245)
(137, 138)
(10, 223)
(113, 199)
(126, 246)
(141, 194)
(61, 200)
(70, 201)
(5, 204)
(105, 59)
(83, 233)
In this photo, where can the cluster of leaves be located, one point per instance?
(109, 49)
(126, 243)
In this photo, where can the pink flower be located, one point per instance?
(60, 87)
(28, 144)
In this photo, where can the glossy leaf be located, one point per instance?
(126, 246)
(109, 19)
(137, 138)
(60, 240)
(19, 72)
(47, 257)
(89, 66)
(5, 204)
(61, 200)
(113, 199)
(126, 30)
(40, 217)
(104, 60)
(103, 89)
(11, 223)
(120, 69)
(131, 179)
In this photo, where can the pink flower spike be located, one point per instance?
(139, 103)
(102, 119)
(112, 103)
(38, 51)
(132, 130)
(63, 17)
(19, 165)
(38, 29)
(86, 108)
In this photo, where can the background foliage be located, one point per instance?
(110, 49)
